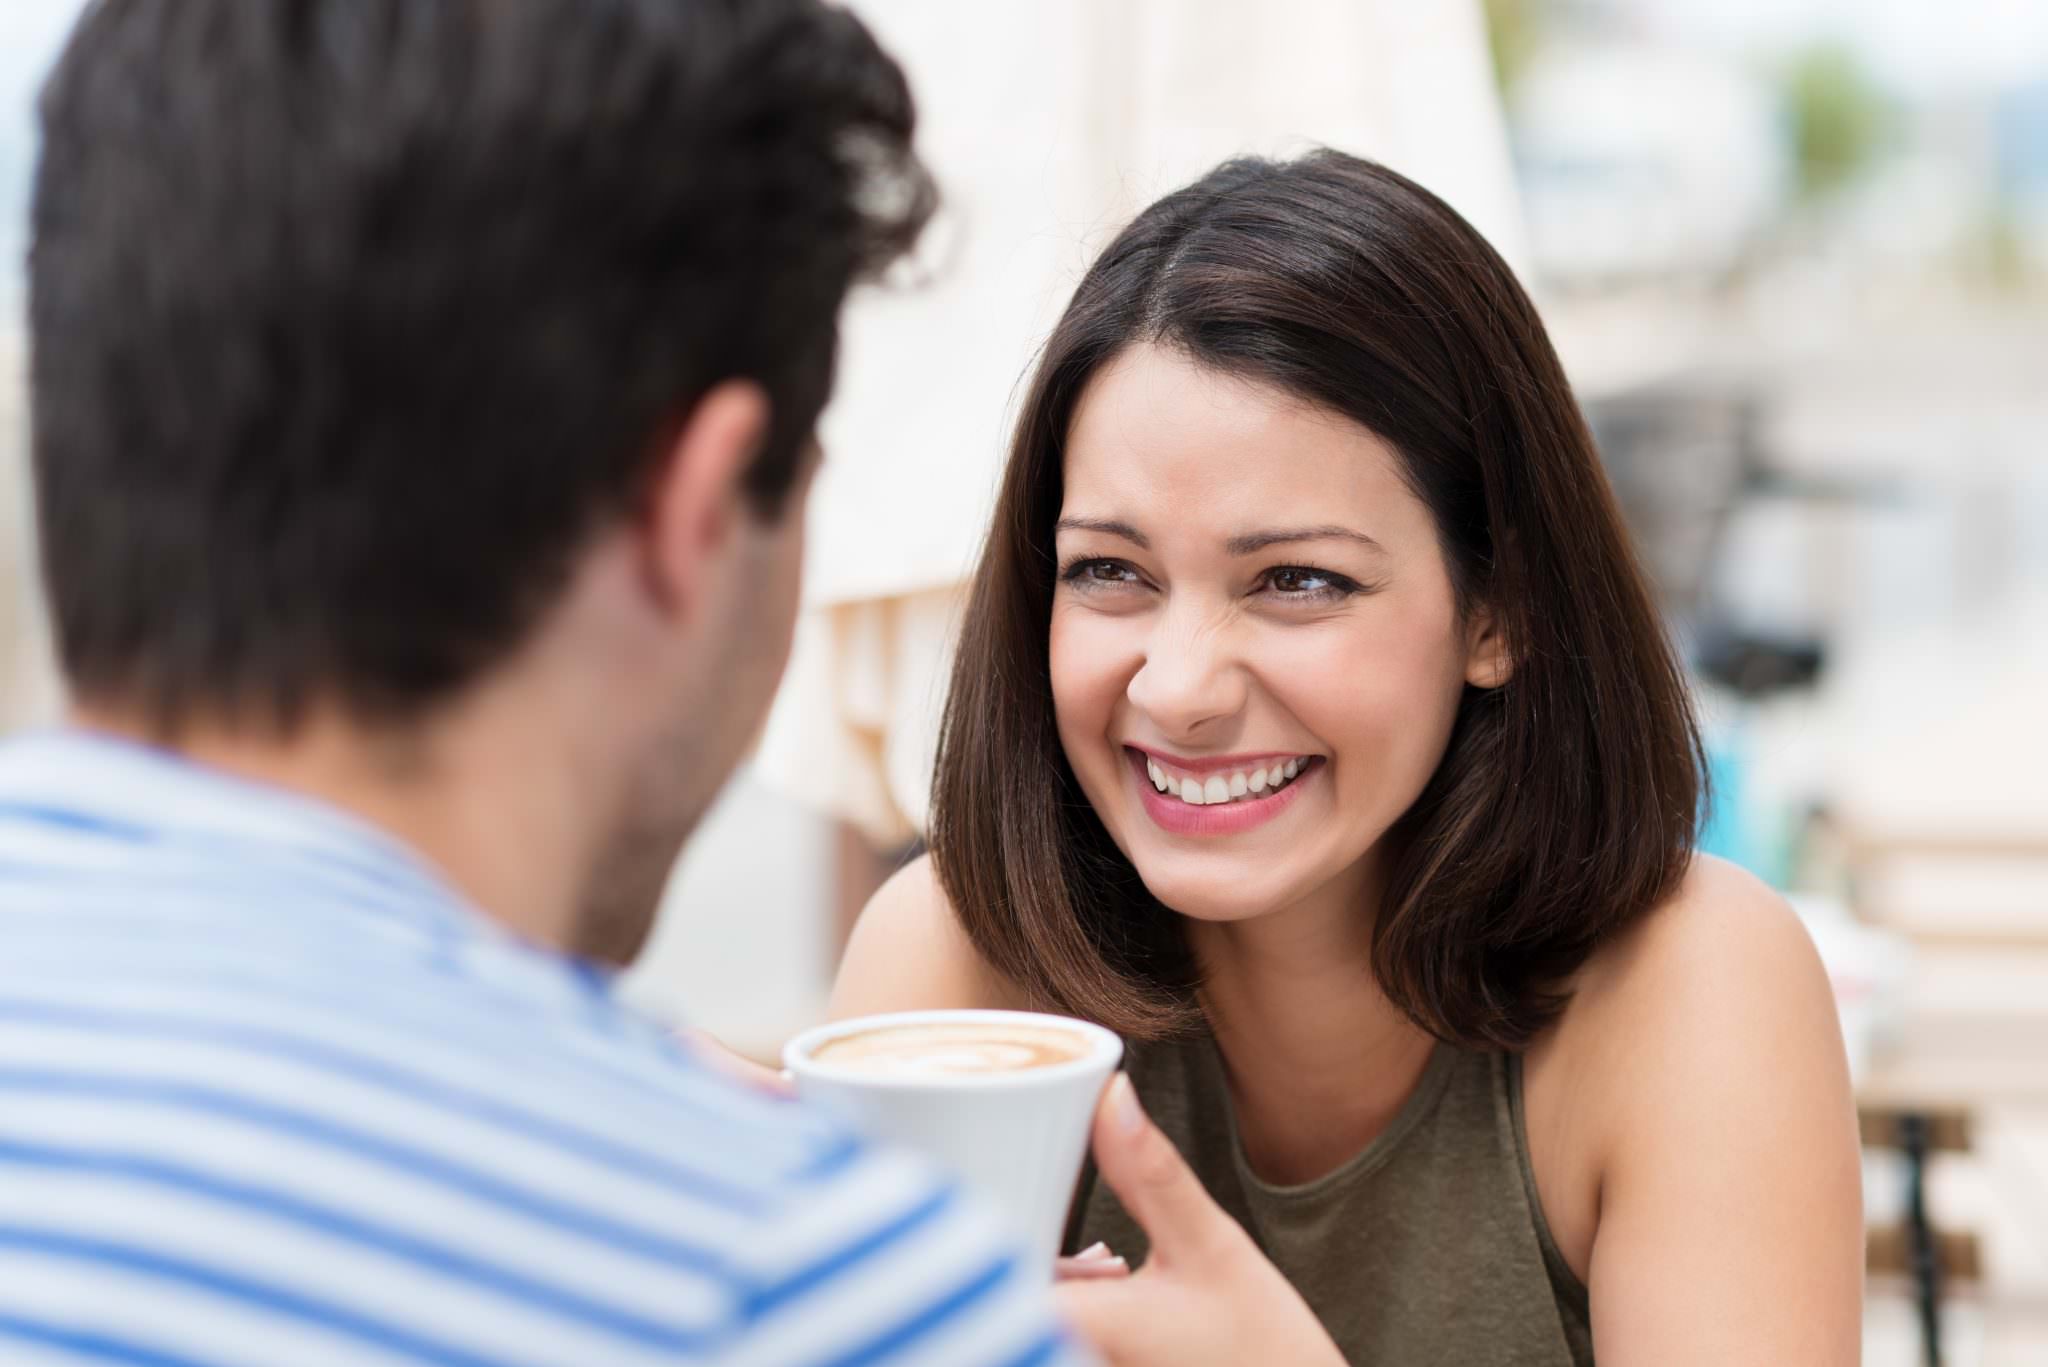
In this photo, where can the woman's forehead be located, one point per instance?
(1158, 437)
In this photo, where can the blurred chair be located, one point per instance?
(1972, 1043)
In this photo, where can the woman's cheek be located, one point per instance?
(1334, 685)
(1085, 651)
(1082, 669)
(1374, 702)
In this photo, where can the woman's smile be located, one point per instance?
(1220, 795)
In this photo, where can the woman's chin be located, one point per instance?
(1202, 897)
(1222, 889)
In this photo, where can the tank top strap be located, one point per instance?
(1572, 1297)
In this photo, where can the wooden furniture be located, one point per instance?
(1932, 1260)
(1927, 1097)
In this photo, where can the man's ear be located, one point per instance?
(1488, 660)
(698, 493)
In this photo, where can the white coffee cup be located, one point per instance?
(1016, 1134)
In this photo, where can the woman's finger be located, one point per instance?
(1105, 1313)
(1079, 1268)
(735, 1066)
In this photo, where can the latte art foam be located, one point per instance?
(952, 1050)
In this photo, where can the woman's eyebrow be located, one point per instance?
(1252, 542)
(1107, 526)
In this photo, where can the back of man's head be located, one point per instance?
(355, 320)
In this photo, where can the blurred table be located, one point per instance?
(1946, 1064)
(1972, 1039)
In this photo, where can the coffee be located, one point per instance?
(1004, 1099)
(952, 1049)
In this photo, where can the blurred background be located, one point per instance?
(1795, 255)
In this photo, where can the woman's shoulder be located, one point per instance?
(1723, 943)
(909, 952)
(1707, 1023)
(1704, 992)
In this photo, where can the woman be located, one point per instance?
(1312, 726)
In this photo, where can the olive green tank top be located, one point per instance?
(1429, 1246)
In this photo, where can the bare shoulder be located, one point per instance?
(1701, 1043)
(908, 952)
(1715, 1133)
(1718, 993)
(1724, 958)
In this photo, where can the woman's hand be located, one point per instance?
(1090, 1264)
(1206, 1295)
(715, 1056)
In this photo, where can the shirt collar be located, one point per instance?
(125, 790)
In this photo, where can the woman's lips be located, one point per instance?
(1177, 817)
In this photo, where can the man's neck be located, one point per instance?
(494, 809)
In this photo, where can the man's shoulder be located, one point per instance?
(830, 1247)
(375, 1148)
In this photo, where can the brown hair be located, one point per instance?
(1567, 801)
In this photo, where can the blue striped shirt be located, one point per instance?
(271, 1095)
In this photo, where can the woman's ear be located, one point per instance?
(1488, 661)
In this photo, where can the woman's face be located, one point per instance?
(1256, 654)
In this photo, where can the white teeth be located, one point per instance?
(1216, 789)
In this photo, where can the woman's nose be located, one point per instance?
(1190, 679)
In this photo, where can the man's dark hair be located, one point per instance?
(354, 320)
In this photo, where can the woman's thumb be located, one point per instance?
(1155, 1185)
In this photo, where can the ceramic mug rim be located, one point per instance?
(1103, 1057)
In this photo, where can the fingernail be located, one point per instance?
(1123, 1104)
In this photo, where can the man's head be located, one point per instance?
(381, 346)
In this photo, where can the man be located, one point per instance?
(423, 396)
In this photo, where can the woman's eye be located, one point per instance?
(1300, 581)
(1099, 573)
